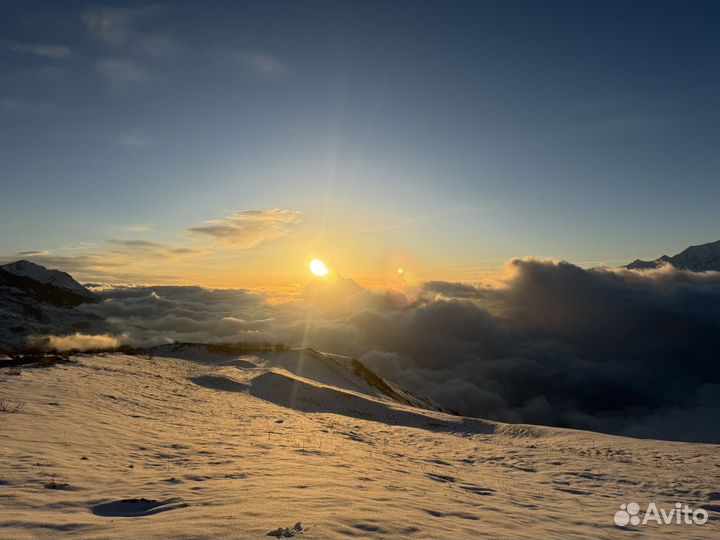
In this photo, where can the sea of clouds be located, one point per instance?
(611, 350)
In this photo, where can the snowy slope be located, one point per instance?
(702, 258)
(335, 370)
(218, 446)
(42, 275)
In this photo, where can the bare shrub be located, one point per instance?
(8, 407)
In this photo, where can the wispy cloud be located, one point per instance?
(33, 253)
(140, 228)
(19, 107)
(249, 228)
(85, 263)
(114, 25)
(123, 71)
(56, 52)
(114, 265)
(127, 245)
(137, 140)
(137, 259)
(80, 246)
(262, 62)
(118, 28)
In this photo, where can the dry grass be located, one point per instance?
(238, 347)
(56, 483)
(9, 407)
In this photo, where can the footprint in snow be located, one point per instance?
(135, 507)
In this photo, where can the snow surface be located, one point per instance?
(41, 274)
(206, 445)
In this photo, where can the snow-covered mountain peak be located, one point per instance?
(700, 258)
(46, 276)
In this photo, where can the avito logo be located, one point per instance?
(629, 514)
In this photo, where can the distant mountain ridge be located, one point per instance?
(702, 258)
(56, 278)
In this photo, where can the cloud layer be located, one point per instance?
(608, 350)
(76, 342)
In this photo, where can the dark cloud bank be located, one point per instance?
(618, 351)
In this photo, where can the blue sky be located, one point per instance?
(454, 134)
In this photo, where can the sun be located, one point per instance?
(318, 268)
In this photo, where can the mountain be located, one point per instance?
(40, 274)
(35, 301)
(702, 258)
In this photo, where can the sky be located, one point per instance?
(226, 144)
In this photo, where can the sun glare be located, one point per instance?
(318, 268)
